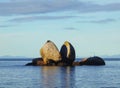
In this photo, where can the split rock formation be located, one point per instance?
(50, 56)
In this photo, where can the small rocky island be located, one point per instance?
(50, 56)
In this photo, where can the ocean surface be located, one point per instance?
(14, 74)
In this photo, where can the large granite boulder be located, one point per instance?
(92, 61)
(67, 53)
(49, 51)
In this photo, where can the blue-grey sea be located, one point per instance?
(14, 74)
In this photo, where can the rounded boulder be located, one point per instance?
(49, 51)
(92, 61)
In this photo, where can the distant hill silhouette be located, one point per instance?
(13, 57)
(111, 56)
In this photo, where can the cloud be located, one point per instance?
(4, 26)
(103, 21)
(70, 28)
(32, 18)
(22, 7)
(99, 21)
(18, 7)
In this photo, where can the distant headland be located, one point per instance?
(13, 57)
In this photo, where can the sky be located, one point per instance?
(91, 26)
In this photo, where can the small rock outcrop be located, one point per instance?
(49, 51)
(92, 61)
(67, 53)
(36, 62)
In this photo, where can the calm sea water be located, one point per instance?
(13, 74)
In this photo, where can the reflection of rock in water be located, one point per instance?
(58, 77)
(68, 78)
(50, 76)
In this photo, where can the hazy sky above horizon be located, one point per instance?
(91, 26)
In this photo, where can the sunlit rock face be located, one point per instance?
(92, 61)
(49, 51)
(67, 53)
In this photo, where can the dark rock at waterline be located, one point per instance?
(76, 63)
(36, 62)
(40, 62)
(87, 61)
(92, 61)
(29, 64)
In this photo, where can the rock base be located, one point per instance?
(97, 61)
(39, 62)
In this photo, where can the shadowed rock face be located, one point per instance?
(67, 53)
(92, 61)
(50, 52)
